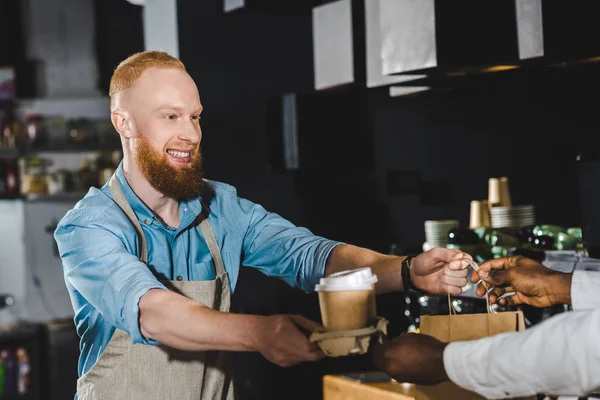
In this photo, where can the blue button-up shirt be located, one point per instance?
(105, 278)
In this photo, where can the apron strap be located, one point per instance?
(211, 241)
(122, 202)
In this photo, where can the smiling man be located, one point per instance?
(151, 258)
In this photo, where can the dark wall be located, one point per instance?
(119, 34)
(526, 125)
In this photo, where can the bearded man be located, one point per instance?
(151, 259)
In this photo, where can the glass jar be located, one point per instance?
(34, 177)
(35, 130)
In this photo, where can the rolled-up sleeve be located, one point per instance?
(98, 265)
(278, 248)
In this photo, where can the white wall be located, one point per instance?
(160, 26)
(12, 258)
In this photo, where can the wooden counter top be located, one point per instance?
(339, 388)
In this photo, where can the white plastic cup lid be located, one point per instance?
(355, 279)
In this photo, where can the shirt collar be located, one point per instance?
(188, 209)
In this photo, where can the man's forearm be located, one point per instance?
(176, 321)
(386, 267)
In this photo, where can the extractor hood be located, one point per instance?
(461, 36)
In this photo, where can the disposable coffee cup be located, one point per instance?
(347, 299)
(499, 192)
(494, 195)
(480, 214)
(505, 192)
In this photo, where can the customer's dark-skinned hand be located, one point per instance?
(533, 283)
(412, 358)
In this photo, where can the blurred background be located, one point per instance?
(395, 125)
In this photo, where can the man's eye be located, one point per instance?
(196, 117)
(172, 117)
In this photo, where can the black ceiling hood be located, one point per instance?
(571, 30)
(270, 7)
(429, 35)
(440, 37)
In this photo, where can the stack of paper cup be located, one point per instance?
(499, 192)
(436, 232)
(347, 299)
(513, 216)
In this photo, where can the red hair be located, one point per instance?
(130, 69)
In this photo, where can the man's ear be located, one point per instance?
(122, 122)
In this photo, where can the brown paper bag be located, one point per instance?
(451, 328)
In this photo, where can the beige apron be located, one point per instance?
(144, 372)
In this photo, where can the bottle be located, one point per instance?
(36, 133)
(11, 130)
(24, 367)
(105, 168)
(10, 373)
(86, 176)
(2, 378)
(2, 179)
(12, 179)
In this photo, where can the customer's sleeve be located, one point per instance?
(585, 290)
(99, 266)
(278, 248)
(560, 356)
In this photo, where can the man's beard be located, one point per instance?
(177, 183)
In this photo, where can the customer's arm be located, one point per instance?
(537, 285)
(560, 356)
(531, 282)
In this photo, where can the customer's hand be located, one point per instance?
(283, 340)
(412, 358)
(532, 283)
(440, 271)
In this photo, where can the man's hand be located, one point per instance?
(532, 283)
(283, 340)
(412, 358)
(440, 271)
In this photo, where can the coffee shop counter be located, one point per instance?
(372, 386)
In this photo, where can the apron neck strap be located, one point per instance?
(122, 202)
(211, 241)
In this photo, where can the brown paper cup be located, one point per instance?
(505, 192)
(494, 196)
(480, 214)
(348, 309)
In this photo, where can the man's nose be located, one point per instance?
(191, 132)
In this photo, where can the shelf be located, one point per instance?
(73, 148)
(59, 148)
(9, 153)
(49, 198)
(6, 103)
